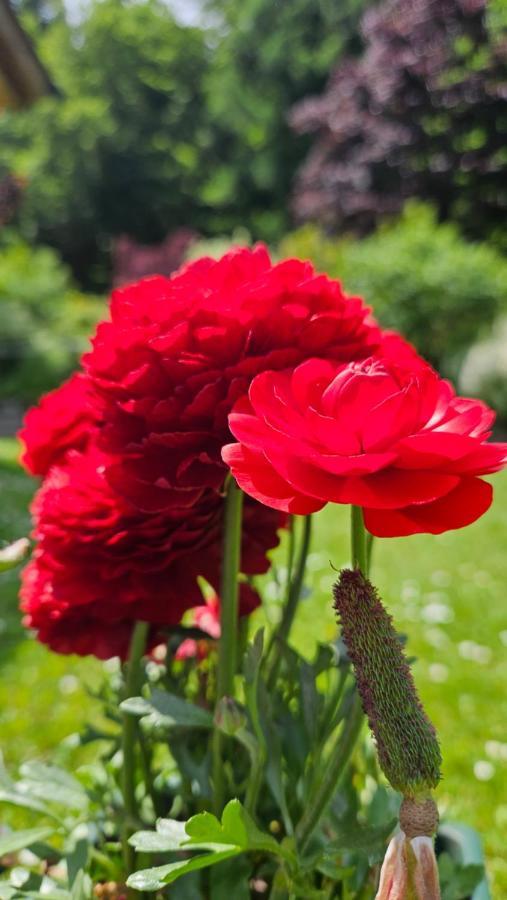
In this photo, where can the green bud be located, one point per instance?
(229, 717)
(406, 741)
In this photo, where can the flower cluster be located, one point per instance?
(129, 515)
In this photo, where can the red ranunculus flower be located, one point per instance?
(390, 437)
(99, 560)
(62, 421)
(178, 352)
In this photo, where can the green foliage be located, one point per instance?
(235, 834)
(458, 882)
(45, 320)
(268, 55)
(159, 126)
(121, 150)
(421, 277)
(484, 371)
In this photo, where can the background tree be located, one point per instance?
(123, 148)
(269, 54)
(422, 113)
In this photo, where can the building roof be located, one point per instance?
(23, 78)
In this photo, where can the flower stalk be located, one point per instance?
(133, 682)
(227, 645)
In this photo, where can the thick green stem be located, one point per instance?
(342, 751)
(229, 602)
(337, 765)
(133, 682)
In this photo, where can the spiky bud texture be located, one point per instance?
(407, 745)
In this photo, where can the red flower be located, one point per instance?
(178, 352)
(60, 422)
(99, 560)
(207, 618)
(392, 438)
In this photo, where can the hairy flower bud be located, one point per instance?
(407, 745)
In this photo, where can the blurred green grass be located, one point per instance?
(446, 593)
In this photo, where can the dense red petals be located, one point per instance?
(179, 352)
(62, 421)
(469, 500)
(99, 559)
(386, 434)
(257, 478)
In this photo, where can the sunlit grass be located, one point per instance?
(447, 594)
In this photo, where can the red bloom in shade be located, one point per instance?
(207, 618)
(178, 352)
(100, 564)
(61, 421)
(391, 438)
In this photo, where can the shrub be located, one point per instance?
(422, 277)
(45, 320)
(484, 372)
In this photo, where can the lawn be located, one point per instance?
(447, 594)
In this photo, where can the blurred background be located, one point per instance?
(367, 136)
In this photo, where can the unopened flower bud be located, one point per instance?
(229, 717)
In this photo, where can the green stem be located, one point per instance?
(358, 540)
(341, 753)
(369, 551)
(326, 789)
(281, 634)
(229, 602)
(133, 682)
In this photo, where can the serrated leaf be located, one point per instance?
(158, 877)
(236, 828)
(20, 840)
(235, 834)
(170, 835)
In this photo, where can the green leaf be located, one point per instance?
(14, 554)
(230, 879)
(77, 860)
(26, 802)
(82, 887)
(157, 878)
(167, 711)
(235, 834)
(53, 785)
(20, 840)
(458, 881)
(237, 828)
(360, 837)
(7, 891)
(170, 835)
